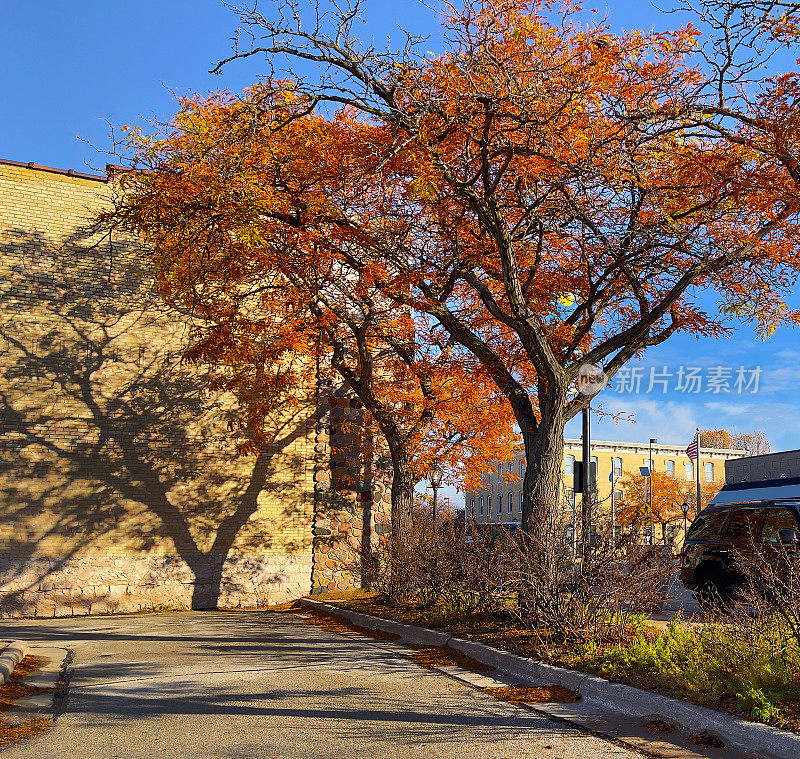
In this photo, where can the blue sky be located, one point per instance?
(73, 68)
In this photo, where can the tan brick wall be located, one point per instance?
(120, 487)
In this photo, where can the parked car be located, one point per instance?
(708, 558)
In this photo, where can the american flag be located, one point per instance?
(691, 451)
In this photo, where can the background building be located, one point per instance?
(500, 498)
(767, 466)
(767, 477)
(120, 485)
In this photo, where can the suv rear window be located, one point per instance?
(707, 526)
(775, 521)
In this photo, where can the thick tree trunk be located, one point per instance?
(402, 505)
(402, 489)
(544, 453)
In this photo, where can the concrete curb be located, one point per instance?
(41, 705)
(762, 740)
(12, 655)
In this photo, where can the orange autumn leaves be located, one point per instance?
(669, 493)
(267, 225)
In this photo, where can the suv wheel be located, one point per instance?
(713, 594)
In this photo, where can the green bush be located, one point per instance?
(754, 662)
(759, 705)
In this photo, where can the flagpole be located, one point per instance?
(697, 473)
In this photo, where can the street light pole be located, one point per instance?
(697, 474)
(685, 510)
(650, 493)
(436, 482)
(613, 510)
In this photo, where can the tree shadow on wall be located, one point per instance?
(109, 445)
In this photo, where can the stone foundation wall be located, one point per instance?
(70, 587)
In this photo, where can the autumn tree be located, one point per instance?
(755, 442)
(246, 205)
(573, 205)
(472, 430)
(669, 493)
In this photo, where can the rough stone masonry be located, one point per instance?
(120, 486)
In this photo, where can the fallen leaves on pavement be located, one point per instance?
(705, 739)
(535, 694)
(444, 656)
(15, 689)
(342, 626)
(660, 726)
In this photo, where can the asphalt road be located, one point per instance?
(264, 684)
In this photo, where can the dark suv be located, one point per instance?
(707, 559)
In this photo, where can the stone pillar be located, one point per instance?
(352, 488)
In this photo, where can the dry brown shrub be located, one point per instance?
(598, 597)
(442, 564)
(541, 585)
(772, 585)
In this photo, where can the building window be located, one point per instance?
(689, 470)
(472, 506)
(510, 502)
(617, 496)
(521, 467)
(499, 504)
(650, 464)
(569, 464)
(480, 506)
(709, 472)
(616, 467)
(519, 508)
(670, 469)
(569, 495)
